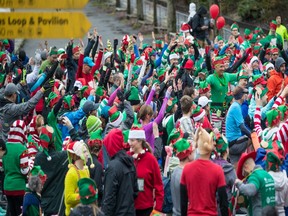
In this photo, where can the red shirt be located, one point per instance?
(147, 168)
(202, 178)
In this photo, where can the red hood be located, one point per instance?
(114, 142)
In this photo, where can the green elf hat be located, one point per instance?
(37, 171)
(175, 134)
(155, 80)
(258, 31)
(93, 123)
(100, 91)
(284, 112)
(170, 104)
(115, 117)
(87, 191)
(158, 44)
(247, 34)
(198, 113)
(273, 161)
(96, 139)
(256, 50)
(218, 60)
(219, 38)
(125, 136)
(258, 80)
(83, 89)
(254, 39)
(134, 97)
(68, 102)
(52, 99)
(273, 25)
(53, 51)
(204, 87)
(183, 148)
(161, 74)
(46, 137)
(243, 75)
(3, 56)
(221, 144)
(273, 117)
(233, 26)
(135, 70)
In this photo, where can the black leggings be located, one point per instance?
(14, 205)
(144, 212)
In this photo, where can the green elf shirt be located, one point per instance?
(269, 37)
(219, 88)
(14, 179)
(52, 122)
(44, 65)
(264, 184)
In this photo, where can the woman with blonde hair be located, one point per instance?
(78, 155)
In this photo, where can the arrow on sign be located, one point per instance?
(40, 4)
(43, 25)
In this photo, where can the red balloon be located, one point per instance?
(214, 11)
(220, 23)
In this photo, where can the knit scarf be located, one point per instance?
(18, 132)
(222, 80)
(33, 130)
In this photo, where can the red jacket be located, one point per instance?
(147, 168)
(274, 84)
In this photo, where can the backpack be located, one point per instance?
(167, 203)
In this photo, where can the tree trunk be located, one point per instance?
(155, 23)
(128, 7)
(118, 4)
(140, 10)
(171, 16)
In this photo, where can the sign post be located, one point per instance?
(43, 4)
(34, 24)
(43, 25)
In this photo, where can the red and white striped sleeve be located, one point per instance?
(24, 162)
(282, 135)
(278, 102)
(257, 121)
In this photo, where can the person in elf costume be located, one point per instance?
(34, 128)
(95, 143)
(221, 153)
(54, 165)
(272, 37)
(148, 174)
(255, 183)
(32, 198)
(219, 82)
(78, 155)
(274, 160)
(184, 151)
(88, 193)
(16, 167)
(204, 89)
(236, 34)
(50, 60)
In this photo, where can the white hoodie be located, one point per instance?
(281, 190)
(192, 11)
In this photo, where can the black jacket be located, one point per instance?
(198, 22)
(120, 186)
(52, 192)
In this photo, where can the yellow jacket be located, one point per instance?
(71, 189)
(282, 31)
